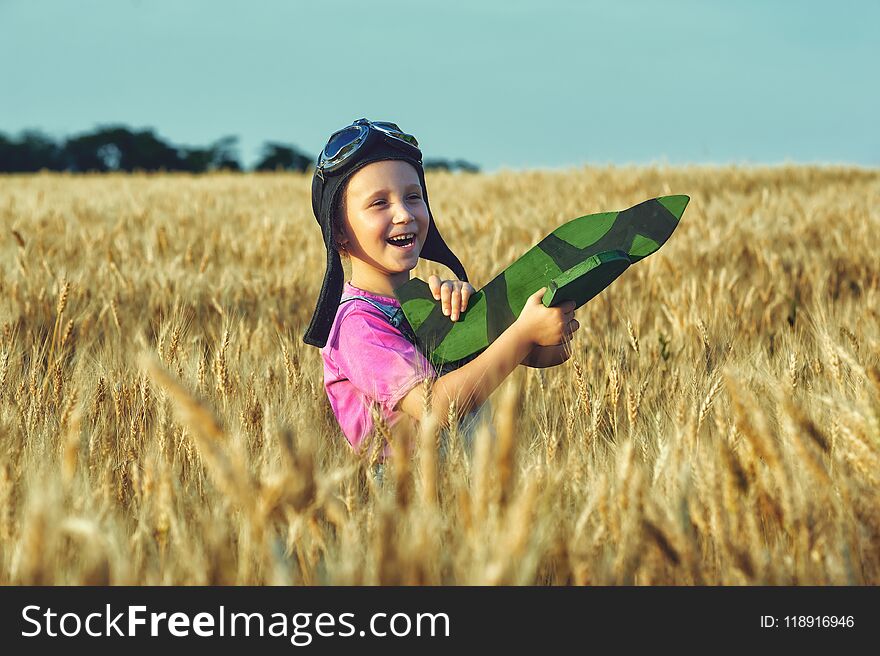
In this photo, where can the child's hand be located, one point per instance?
(453, 295)
(545, 326)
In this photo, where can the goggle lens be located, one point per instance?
(341, 144)
(341, 140)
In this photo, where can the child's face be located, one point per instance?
(384, 199)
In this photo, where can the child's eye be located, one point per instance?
(378, 201)
(416, 196)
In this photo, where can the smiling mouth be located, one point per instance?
(402, 242)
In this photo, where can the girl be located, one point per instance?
(370, 199)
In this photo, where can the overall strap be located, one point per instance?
(394, 315)
(397, 318)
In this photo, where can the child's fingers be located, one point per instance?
(452, 294)
(466, 291)
(446, 297)
(456, 303)
(434, 284)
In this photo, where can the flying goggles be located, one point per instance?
(345, 142)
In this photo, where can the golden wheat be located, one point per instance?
(718, 421)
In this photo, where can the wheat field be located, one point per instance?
(162, 422)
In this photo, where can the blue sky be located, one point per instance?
(502, 83)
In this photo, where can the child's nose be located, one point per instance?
(403, 215)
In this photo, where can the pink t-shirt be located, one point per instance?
(367, 359)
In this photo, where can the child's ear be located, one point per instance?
(339, 237)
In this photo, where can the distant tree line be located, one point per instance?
(450, 165)
(119, 148)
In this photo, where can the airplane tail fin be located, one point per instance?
(583, 281)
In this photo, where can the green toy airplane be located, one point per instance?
(575, 262)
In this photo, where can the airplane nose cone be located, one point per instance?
(675, 204)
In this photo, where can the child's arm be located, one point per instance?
(541, 357)
(470, 385)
